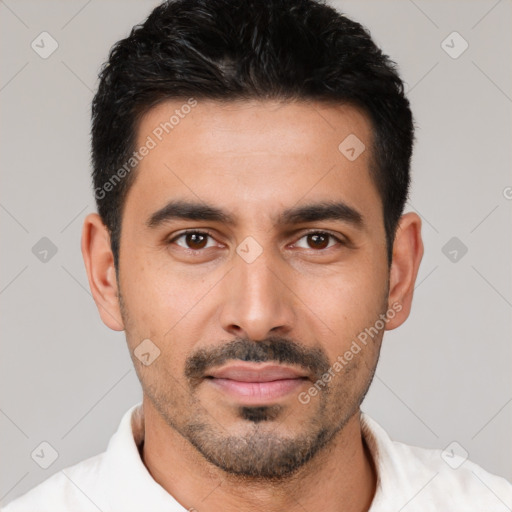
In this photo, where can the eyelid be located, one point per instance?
(186, 231)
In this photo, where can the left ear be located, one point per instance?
(407, 255)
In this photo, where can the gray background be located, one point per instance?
(444, 376)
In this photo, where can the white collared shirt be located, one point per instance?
(409, 479)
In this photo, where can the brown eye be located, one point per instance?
(318, 240)
(194, 240)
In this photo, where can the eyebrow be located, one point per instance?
(189, 211)
(324, 210)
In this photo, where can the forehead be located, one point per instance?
(253, 156)
(251, 125)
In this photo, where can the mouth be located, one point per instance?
(256, 384)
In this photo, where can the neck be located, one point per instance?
(340, 477)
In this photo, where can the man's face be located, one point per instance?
(249, 314)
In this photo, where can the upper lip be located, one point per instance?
(256, 373)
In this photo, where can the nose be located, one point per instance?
(257, 300)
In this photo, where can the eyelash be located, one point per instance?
(193, 231)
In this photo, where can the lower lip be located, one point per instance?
(258, 392)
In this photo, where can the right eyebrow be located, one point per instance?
(189, 211)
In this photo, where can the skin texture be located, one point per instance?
(302, 302)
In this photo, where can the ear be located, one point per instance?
(99, 264)
(407, 255)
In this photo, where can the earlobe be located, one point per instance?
(99, 264)
(407, 255)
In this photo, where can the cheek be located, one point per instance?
(164, 305)
(346, 300)
(151, 291)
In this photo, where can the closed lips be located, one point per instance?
(244, 373)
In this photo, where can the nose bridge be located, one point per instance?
(256, 299)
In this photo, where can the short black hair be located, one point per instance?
(227, 50)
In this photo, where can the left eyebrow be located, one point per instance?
(325, 210)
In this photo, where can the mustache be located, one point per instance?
(277, 349)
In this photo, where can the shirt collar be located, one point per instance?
(393, 487)
(128, 484)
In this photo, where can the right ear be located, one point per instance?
(101, 272)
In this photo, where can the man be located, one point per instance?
(251, 166)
